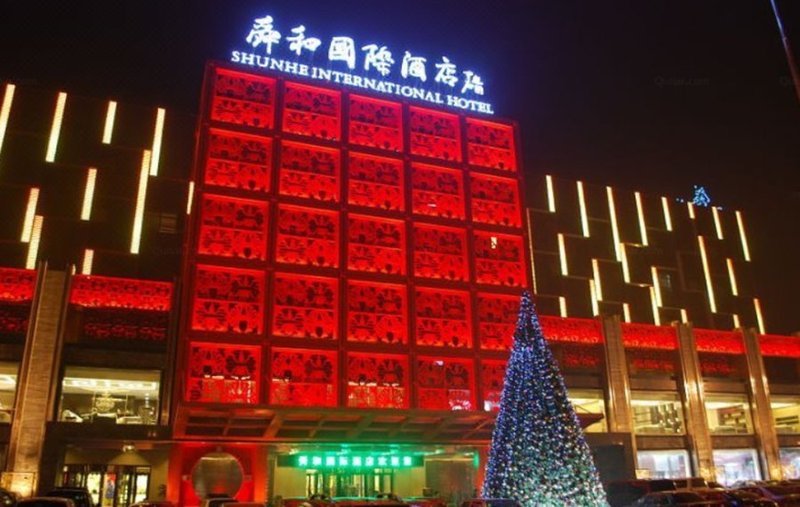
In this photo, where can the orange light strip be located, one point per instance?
(562, 306)
(656, 286)
(5, 111)
(743, 236)
(717, 222)
(736, 322)
(562, 254)
(709, 286)
(141, 195)
(684, 315)
(88, 260)
(157, 134)
(88, 194)
(190, 198)
(582, 206)
(626, 273)
(612, 212)
(593, 294)
(108, 127)
(732, 278)
(530, 247)
(626, 312)
(762, 329)
(654, 306)
(30, 212)
(596, 275)
(33, 246)
(640, 212)
(690, 206)
(55, 129)
(551, 194)
(667, 216)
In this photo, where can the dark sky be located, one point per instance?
(654, 95)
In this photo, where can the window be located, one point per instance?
(790, 462)
(590, 404)
(656, 413)
(109, 396)
(786, 413)
(662, 464)
(736, 465)
(8, 390)
(728, 414)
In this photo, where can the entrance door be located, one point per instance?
(346, 483)
(109, 485)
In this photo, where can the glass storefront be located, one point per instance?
(8, 390)
(590, 402)
(733, 465)
(109, 485)
(786, 413)
(672, 464)
(728, 414)
(790, 462)
(656, 413)
(109, 396)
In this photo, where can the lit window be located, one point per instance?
(728, 413)
(8, 390)
(656, 413)
(673, 464)
(733, 465)
(590, 404)
(786, 413)
(790, 462)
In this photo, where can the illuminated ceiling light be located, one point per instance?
(690, 207)
(626, 272)
(582, 206)
(709, 286)
(743, 236)
(684, 315)
(190, 198)
(551, 194)
(141, 195)
(654, 306)
(88, 194)
(596, 275)
(626, 313)
(612, 212)
(593, 294)
(33, 246)
(667, 216)
(717, 222)
(493, 242)
(30, 211)
(736, 322)
(108, 127)
(159, 130)
(759, 317)
(5, 111)
(656, 286)
(55, 129)
(732, 278)
(88, 260)
(562, 254)
(562, 306)
(640, 212)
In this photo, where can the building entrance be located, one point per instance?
(349, 483)
(109, 485)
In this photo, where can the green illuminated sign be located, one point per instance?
(353, 461)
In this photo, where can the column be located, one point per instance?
(618, 386)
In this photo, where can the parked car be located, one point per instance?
(46, 501)
(490, 502)
(217, 501)
(315, 500)
(784, 496)
(623, 493)
(736, 498)
(79, 496)
(690, 483)
(154, 503)
(425, 501)
(684, 498)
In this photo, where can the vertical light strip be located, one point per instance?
(108, 128)
(55, 129)
(529, 213)
(626, 273)
(141, 195)
(717, 222)
(5, 111)
(157, 133)
(640, 212)
(88, 260)
(684, 315)
(562, 306)
(732, 278)
(743, 236)
(626, 312)
(88, 194)
(551, 194)
(762, 329)
(582, 206)
(709, 286)
(190, 198)
(667, 216)
(30, 212)
(596, 275)
(736, 322)
(33, 246)
(593, 294)
(690, 207)
(654, 306)
(562, 254)
(612, 212)
(656, 286)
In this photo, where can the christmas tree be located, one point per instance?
(538, 455)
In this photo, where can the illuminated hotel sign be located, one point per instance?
(378, 71)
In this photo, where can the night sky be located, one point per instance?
(654, 96)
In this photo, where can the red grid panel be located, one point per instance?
(493, 373)
(108, 292)
(491, 145)
(572, 356)
(779, 346)
(124, 324)
(442, 318)
(445, 383)
(238, 161)
(305, 307)
(376, 313)
(440, 252)
(435, 134)
(499, 259)
(233, 228)
(303, 377)
(309, 171)
(376, 123)
(223, 373)
(722, 365)
(307, 236)
(376, 182)
(495, 200)
(312, 111)
(377, 381)
(14, 320)
(228, 300)
(559, 329)
(649, 337)
(497, 317)
(16, 285)
(651, 361)
(436, 191)
(723, 342)
(243, 99)
(376, 245)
